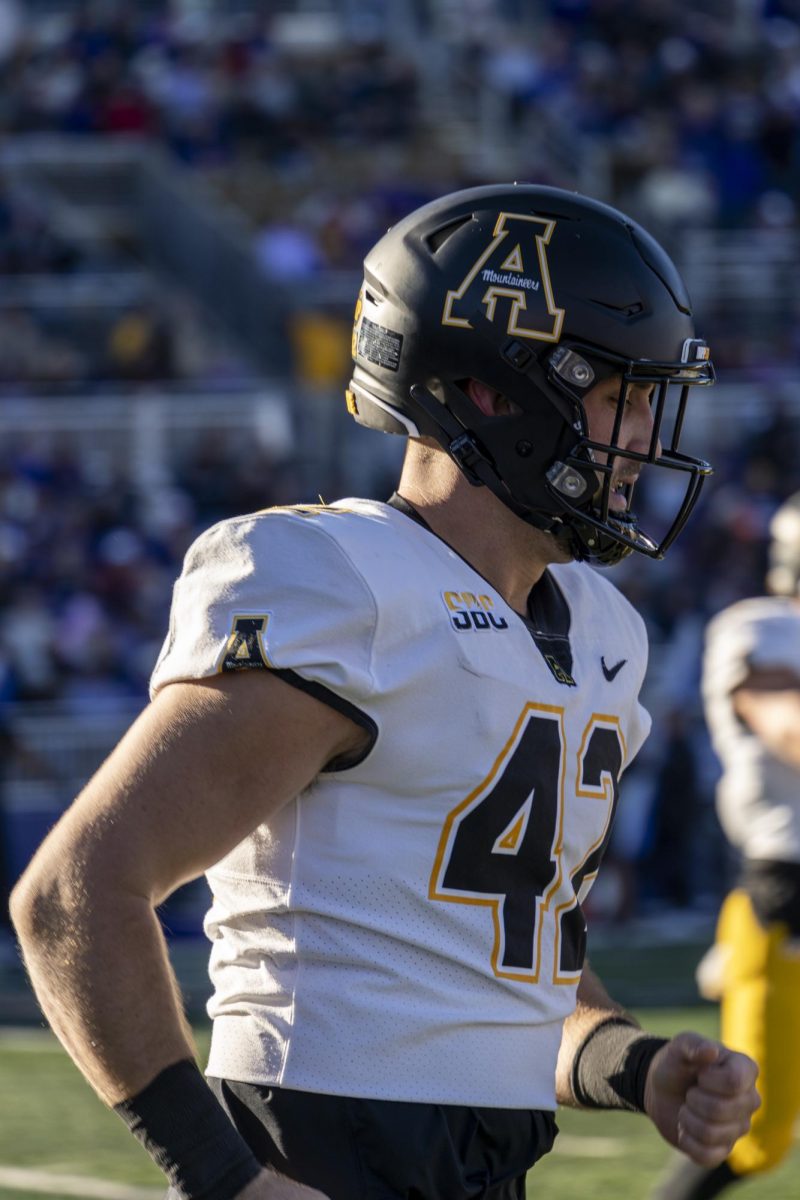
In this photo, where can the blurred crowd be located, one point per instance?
(164, 340)
(325, 124)
(122, 329)
(87, 560)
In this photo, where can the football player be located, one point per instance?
(392, 735)
(751, 686)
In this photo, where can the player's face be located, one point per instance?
(635, 431)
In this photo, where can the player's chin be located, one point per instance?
(562, 555)
(555, 549)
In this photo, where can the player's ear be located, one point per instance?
(487, 399)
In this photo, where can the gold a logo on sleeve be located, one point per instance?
(512, 273)
(245, 648)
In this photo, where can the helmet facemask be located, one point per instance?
(569, 493)
(600, 531)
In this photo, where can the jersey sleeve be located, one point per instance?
(272, 591)
(740, 640)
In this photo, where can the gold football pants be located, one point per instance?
(761, 1017)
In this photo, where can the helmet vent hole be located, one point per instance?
(437, 239)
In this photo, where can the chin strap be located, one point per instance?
(462, 446)
(470, 457)
(477, 468)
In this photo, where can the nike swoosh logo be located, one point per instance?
(612, 672)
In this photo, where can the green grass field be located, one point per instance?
(57, 1140)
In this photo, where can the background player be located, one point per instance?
(751, 686)
(392, 735)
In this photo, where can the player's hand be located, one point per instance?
(701, 1096)
(267, 1185)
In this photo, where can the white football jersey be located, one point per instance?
(409, 927)
(758, 796)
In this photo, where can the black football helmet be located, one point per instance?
(539, 293)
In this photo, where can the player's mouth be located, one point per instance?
(618, 497)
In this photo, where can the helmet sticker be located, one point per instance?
(379, 345)
(518, 273)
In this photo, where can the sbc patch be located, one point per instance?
(468, 611)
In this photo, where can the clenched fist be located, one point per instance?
(701, 1096)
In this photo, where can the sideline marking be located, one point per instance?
(26, 1179)
(590, 1147)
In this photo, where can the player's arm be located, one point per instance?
(768, 701)
(698, 1094)
(202, 766)
(593, 1007)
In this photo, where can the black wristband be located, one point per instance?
(610, 1066)
(188, 1134)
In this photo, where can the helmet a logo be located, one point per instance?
(512, 268)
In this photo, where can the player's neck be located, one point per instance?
(509, 554)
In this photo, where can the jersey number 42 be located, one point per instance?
(527, 844)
